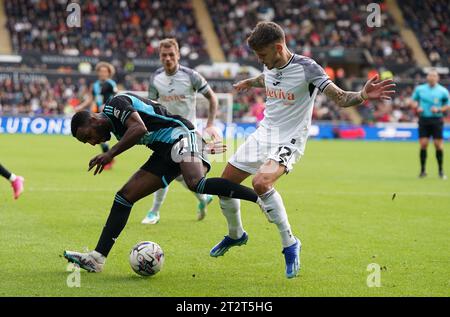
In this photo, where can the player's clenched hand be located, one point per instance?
(375, 89)
(243, 85)
(99, 162)
(216, 147)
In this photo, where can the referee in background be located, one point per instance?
(431, 101)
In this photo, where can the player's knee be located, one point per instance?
(261, 184)
(192, 183)
(126, 195)
(439, 145)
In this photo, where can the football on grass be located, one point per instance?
(146, 258)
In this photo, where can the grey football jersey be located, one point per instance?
(177, 92)
(290, 94)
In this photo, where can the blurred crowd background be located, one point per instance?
(126, 33)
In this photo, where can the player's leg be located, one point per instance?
(189, 154)
(153, 216)
(424, 134)
(278, 164)
(194, 170)
(245, 162)
(439, 146)
(203, 199)
(5, 173)
(438, 134)
(423, 143)
(231, 210)
(16, 181)
(141, 184)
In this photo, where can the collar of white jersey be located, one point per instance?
(178, 68)
(289, 61)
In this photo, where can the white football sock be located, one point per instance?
(13, 177)
(158, 198)
(231, 210)
(276, 213)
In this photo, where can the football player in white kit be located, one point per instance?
(292, 82)
(175, 87)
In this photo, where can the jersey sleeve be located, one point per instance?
(199, 83)
(120, 107)
(315, 75)
(152, 91)
(415, 95)
(445, 98)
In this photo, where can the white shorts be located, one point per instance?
(258, 149)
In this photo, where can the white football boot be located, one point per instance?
(91, 262)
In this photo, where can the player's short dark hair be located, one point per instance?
(265, 33)
(80, 119)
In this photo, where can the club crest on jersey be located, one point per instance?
(279, 94)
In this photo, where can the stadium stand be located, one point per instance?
(40, 97)
(129, 28)
(37, 27)
(329, 24)
(429, 19)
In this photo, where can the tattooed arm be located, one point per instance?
(246, 84)
(373, 89)
(343, 98)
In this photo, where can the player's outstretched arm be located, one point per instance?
(244, 85)
(136, 129)
(86, 104)
(213, 106)
(373, 89)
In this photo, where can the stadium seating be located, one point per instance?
(324, 24)
(40, 97)
(429, 20)
(128, 28)
(38, 27)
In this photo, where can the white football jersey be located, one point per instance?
(177, 92)
(290, 94)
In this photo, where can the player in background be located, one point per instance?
(292, 82)
(16, 181)
(101, 90)
(431, 101)
(175, 87)
(176, 150)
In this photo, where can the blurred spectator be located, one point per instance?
(257, 109)
(40, 97)
(429, 19)
(130, 28)
(307, 24)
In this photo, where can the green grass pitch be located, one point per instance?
(338, 197)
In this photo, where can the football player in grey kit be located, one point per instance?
(292, 82)
(175, 87)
